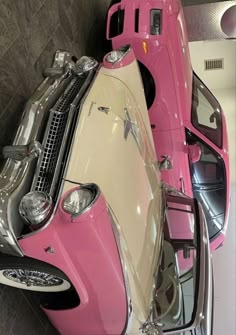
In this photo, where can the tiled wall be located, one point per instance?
(30, 32)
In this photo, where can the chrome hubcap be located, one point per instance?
(32, 278)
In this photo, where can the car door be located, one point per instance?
(194, 265)
(167, 126)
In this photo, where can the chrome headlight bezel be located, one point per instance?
(36, 207)
(116, 56)
(92, 191)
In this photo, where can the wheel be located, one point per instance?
(30, 274)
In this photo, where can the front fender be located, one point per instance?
(85, 250)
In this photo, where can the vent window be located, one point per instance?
(136, 27)
(117, 23)
(214, 64)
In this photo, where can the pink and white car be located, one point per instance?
(84, 217)
(188, 124)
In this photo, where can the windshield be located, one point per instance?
(209, 185)
(178, 277)
(206, 112)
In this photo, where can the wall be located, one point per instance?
(31, 31)
(224, 260)
(225, 49)
(203, 20)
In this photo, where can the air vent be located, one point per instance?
(214, 64)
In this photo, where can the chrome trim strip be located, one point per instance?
(124, 270)
(92, 78)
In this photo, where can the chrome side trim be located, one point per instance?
(124, 269)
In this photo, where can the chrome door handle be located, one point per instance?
(182, 186)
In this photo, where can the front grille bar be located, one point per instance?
(61, 116)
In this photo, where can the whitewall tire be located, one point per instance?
(33, 275)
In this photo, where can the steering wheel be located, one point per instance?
(164, 305)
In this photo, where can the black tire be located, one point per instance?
(30, 274)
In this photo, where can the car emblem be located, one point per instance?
(104, 109)
(129, 125)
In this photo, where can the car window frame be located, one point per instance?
(190, 326)
(202, 139)
(215, 105)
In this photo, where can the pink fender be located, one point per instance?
(86, 251)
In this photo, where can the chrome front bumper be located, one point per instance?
(30, 165)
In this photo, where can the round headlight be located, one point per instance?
(85, 64)
(117, 55)
(35, 207)
(79, 200)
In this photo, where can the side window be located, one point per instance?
(209, 184)
(174, 300)
(209, 169)
(206, 112)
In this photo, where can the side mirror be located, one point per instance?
(165, 163)
(215, 116)
(194, 153)
(212, 117)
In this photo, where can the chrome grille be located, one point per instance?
(51, 150)
(49, 164)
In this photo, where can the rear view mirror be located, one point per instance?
(194, 153)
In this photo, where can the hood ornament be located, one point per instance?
(104, 109)
(23, 153)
